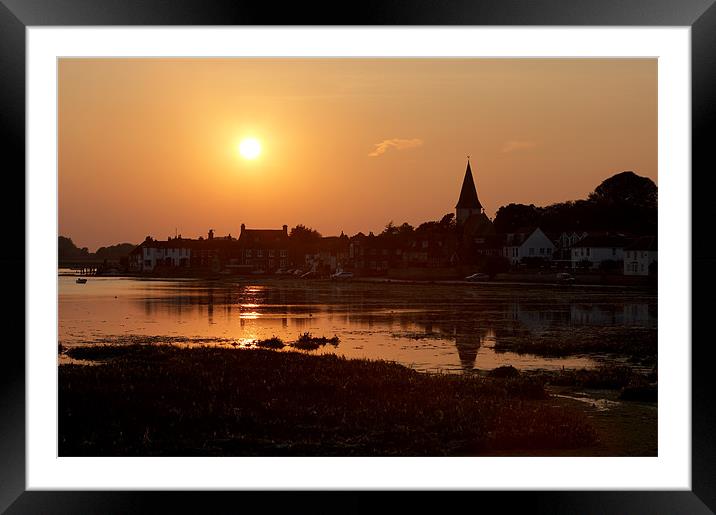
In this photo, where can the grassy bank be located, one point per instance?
(163, 400)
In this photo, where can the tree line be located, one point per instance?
(68, 251)
(625, 202)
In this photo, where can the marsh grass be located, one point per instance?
(271, 343)
(606, 377)
(637, 343)
(163, 400)
(307, 341)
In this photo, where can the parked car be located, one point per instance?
(478, 277)
(564, 277)
(309, 275)
(342, 275)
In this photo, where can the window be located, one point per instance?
(271, 253)
(541, 250)
(532, 251)
(248, 253)
(588, 249)
(283, 253)
(425, 244)
(259, 253)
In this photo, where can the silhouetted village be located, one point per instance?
(612, 232)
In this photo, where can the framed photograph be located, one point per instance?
(416, 248)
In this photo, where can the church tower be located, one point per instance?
(468, 204)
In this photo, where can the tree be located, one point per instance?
(448, 221)
(390, 229)
(513, 216)
(626, 188)
(304, 235)
(115, 252)
(303, 240)
(66, 249)
(405, 230)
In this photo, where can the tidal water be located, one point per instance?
(435, 327)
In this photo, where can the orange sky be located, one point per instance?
(150, 145)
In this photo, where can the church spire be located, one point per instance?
(468, 194)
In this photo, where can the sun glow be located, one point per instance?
(250, 148)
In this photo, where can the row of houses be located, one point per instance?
(634, 255)
(254, 250)
(596, 251)
(268, 250)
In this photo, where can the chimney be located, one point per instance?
(243, 226)
(285, 229)
(211, 234)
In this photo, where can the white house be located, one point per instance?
(596, 249)
(152, 253)
(639, 256)
(532, 243)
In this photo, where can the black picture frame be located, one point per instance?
(16, 15)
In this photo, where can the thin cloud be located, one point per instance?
(395, 143)
(516, 146)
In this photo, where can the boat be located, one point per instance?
(81, 280)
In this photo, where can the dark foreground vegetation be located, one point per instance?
(149, 400)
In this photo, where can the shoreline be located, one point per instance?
(642, 286)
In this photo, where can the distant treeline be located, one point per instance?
(68, 251)
(624, 202)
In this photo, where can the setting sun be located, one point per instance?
(250, 148)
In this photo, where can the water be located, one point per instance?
(450, 328)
